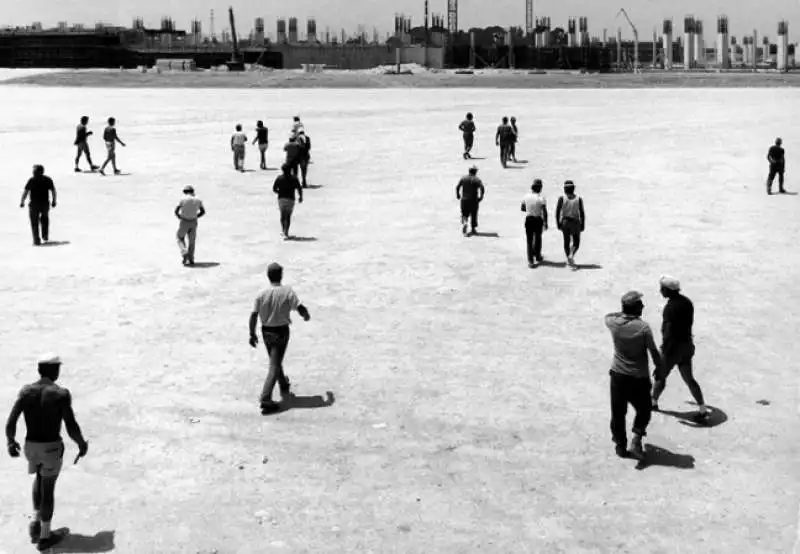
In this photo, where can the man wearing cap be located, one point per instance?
(777, 165)
(286, 186)
(571, 220)
(45, 406)
(470, 192)
(273, 306)
(467, 128)
(677, 344)
(39, 187)
(535, 207)
(188, 211)
(630, 375)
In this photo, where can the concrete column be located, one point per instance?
(754, 39)
(699, 45)
(688, 42)
(619, 47)
(667, 43)
(472, 50)
(723, 49)
(783, 46)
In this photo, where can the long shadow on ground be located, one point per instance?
(307, 402)
(657, 456)
(77, 543)
(56, 243)
(202, 265)
(294, 238)
(480, 234)
(717, 417)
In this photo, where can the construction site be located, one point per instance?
(438, 43)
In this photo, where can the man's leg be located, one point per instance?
(529, 240)
(263, 157)
(191, 234)
(78, 151)
(276, 349)
(576, 241)
(538, 226)
(473, 214)
(304, 171)
(35, 527)
(33, 215)
(567, 240)
(464, 216)
(770, 179)
(640, 399)
(780, 181)
(181, 236)
(89, 157)
(619, 409)
(289, 209)
(44, 219)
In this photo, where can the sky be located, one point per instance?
(743, 15)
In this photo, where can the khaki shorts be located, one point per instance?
(44, 458)
(262, 147)
(111, 146)
(285, 206)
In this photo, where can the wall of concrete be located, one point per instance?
(416, 54)
(355, 57)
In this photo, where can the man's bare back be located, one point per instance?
(45, 405)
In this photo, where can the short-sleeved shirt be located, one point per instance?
(80, 133)
(632, 339)
(274, 305)
(292, 151)
(110, 134)
(189, 207)
(467, 127)
(39, 189)
(776, 153)
(505, 132)
(239, 138)
(471, 187)
(286, 186)
(678, 319)
(262, 135)
(43, 406)
(534, 205)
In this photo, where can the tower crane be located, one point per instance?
(635, 39)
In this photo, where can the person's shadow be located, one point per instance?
(77, 543)
(657, 456)
(308, 402)
(689, 418)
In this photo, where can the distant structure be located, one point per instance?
(583, 31)
(292, 30)
(452, 16)
(765, 56)
(281, 30)
(529, 18)
(311, 30)
(258, 36)
(783, 46)
(211, 28)
(723, 50)
(667, 43)
(688, 42)
(699, 44)
(196, 36)
(571, 32)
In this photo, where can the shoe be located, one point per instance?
(185, 260)
(531, 265)
(48, 543)
(35, 530)
(701, 417)
(117, 172)
(540, 259)
(621, 451)
(269, 407)
(95, 167)
(77, 170)
(191, 261)
(636, 449)
(103, 173)
(464, 229)
(570, 260)
(782, 191)
(769, 193)
(654, 406)
(37, 243)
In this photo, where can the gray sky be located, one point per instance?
(744, 15)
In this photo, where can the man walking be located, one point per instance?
(303, 156)
(514, 139)
(467, 128)
(273, 306)
(238, 142)
(292, 149)
(630, 375)
(262, 137)
(39, 187)
(111, 139)
(571, 220)
(503, 139)
(188, 211)
(470, 192)
(82, 135)
(286, 186)
(535, 207)
(777, 165)
(677, 346)
(45, 405)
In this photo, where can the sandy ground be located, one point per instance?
(471, 408)
(418, 78)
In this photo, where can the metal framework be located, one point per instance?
(528, 17)
(452, 16)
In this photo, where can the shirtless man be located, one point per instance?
(82, 134)
(111, 139)
(45, 405)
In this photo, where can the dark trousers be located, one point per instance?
(505, 151)
(469, 140)
(533, 238)
(571, 229)
(469, 212)
(773, 171)
(39, 216)
(636, 392)
(276, 339)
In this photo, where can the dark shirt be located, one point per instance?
(292, 152)
(262, 135)
(505, 133)
(39, 189)
(81, 134)
(676, 327)
(516, 132)
(777, 154)
(110, 134)
(632, 339)
(467, 127)
(286, 186)
(470, 187)
(44, 405)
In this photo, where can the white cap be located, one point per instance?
(49, 359)
(670, 283)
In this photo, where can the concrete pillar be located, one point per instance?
(258, 36)
(571, 32)
(755, 49)
(667, 44)
(619, 47)
(510, 43)
(655, 48)
(688, 42)
(723, 49)
(765, 43)
(472, 50)
(699, 45)
(783, 46)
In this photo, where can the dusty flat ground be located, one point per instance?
(471, 408)
(420, 78)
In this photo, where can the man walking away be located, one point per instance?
(503, 139)
(467, 128)
(262, 137)
(777, 165)
(273, 306)
(238, 142)
(297, 126)
(470, 192)
(571, 220)
(630, 375)
(677, 346)
(111, 139)
(292, 149)
(285, 186)
(514, 139)
(82, 135)
(535, 207)
(45, 405)
(303, 155)
(188, 211)
(39, 187)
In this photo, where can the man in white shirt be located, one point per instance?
(535, 207)
(238, 142)
(274, 306)
(188, 211)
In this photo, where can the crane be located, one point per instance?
(237, 60)
(635, 39)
